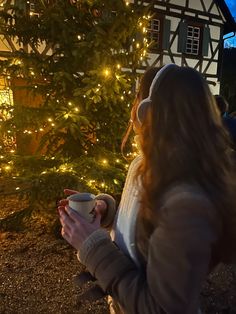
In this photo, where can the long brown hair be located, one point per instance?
(143, 91)
(182, 139)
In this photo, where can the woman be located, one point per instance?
(185, 224)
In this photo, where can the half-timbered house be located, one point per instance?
(190, 33)
(185, 32)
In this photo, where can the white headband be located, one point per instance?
(142, 107)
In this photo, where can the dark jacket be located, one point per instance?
(230, 124)
(182, 250)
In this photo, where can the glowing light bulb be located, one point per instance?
(106, 72)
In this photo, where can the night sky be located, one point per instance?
(232, 7)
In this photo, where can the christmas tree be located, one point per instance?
(72, 71)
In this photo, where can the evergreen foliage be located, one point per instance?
(78, 61)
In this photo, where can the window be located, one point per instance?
(154, 34)
(193, 40)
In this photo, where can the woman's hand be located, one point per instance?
(76, 229)
(100, 205)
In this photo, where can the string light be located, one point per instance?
(106, 72)
(105, 162)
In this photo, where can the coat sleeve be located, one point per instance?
(178, 260)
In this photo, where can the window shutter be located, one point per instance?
(182, 36)
(166, 35)
(205, 41)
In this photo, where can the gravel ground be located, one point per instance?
(37, 272)
(37, 276)
(37, 269)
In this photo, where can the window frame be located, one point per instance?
(200, 27)
(158, 48)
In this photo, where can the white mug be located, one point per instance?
(84, 204)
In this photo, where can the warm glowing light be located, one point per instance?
(106, 72)
(104, 161)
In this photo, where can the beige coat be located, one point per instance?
(181, 250)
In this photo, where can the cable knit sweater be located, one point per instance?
(123, 232)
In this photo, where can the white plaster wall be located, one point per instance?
(215, 89)
(215, 32)
(4, 46)
(196, 5)
(212, 69)
(191, 62)
(214, 10)
(166, 60)
(178, 2)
